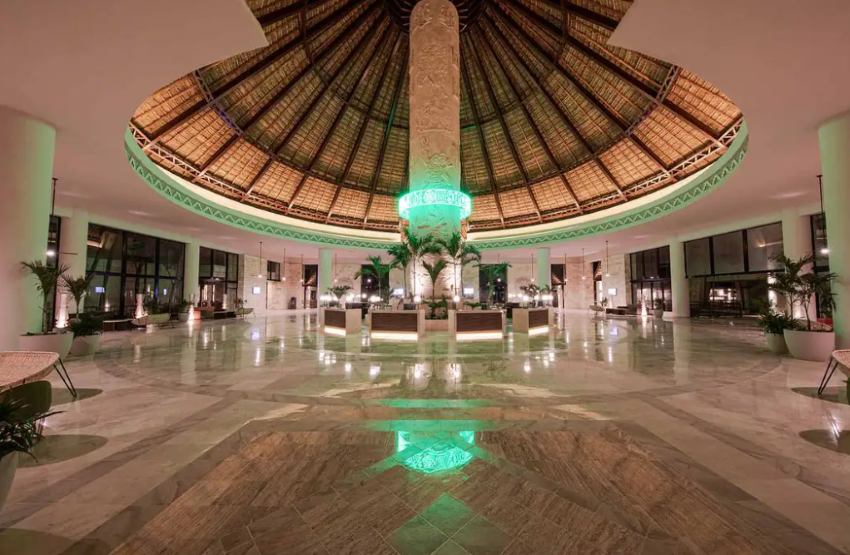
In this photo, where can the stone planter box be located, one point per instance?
(437, 326)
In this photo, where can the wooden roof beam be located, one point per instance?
(531, 122)
(362, 131)
(511, 146)
(387, 130)
(269, 59)
(280, 94)
(289, 11)
(372, 55)
(487, 163)
(649, 92)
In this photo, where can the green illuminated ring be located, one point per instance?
(428, 197)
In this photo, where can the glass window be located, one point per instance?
(273, 271)
(205, 262)
(104, 294)
(219, 269)
(232, 267)
(697, 257)
(105, 249)
(820, 244)
(729, 253)
(170, 258)
(763, 243)
(664, 262)
(141, 254)
(650, 264)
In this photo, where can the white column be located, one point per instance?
(191, 269)
(434, 157)
(73, 244)
(679, 281)
(834, 139)
(326, 277)
(797, 243)
(544, 270)
(26, 169)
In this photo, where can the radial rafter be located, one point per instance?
(564, 101)
(379, 165)
(477, 121)
(533, 125)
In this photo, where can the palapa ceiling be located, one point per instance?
(554, 121)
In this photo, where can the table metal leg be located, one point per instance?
(827, 374)
(66, 379)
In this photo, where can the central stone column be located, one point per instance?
(434, 114)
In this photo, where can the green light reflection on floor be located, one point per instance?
(436, 453)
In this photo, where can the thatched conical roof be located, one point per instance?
(554, 121)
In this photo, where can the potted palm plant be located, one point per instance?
(401, 258)
(434, 270)
(339, 291)
(86, 329)
(419, 247)
(46, 340)
(183, 308)
(774, 323)
(19, 432)
(806, 340)
(461, 254)
(658, 308)
(493, 272)
(77, 288)
(376, 269)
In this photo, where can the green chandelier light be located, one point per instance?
(429, 197)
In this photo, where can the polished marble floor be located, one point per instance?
(264, 437)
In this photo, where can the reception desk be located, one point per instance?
(477, 324)
(532, 321)
(400, 325)
(341, 321)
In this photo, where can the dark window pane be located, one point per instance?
(820, 241)
(141, 255)
(232, 267)
(205, 262)
(729, 253)
(273, 270)
(763, 243)
(650, 264)
(219, 264)
(664, 262)
(103, 294)
(170, 258)
(697, 257)
(104, 250)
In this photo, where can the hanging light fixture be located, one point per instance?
(607, 262)
(825, 249)
(532, 267)
(334, 268)
(302, 268)
(283, 272)
(260, 275)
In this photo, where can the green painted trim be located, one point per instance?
(718, 172)
(163, 184)
(716, 175)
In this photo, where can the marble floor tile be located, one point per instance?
(606, 436)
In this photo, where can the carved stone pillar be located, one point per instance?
(434, 112)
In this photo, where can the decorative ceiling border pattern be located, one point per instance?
(157, 178)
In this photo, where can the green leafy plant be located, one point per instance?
(19, 427)
(801, 288)
(772, 321)
(419, 247)
(86, 325)
(401, 258)
(339, 291)
(531, 290)
(48, 279)
(434, 270)
(461, 254)
(183, 306)
(434, 305)
(658, 304)
(77, 286)
(493, 272)
(377, 269)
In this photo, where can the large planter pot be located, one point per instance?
(183, 317)
(816, 346)
(776, 343)
(85, 346)
(8, 465)
(658, 313)
(59, 343)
